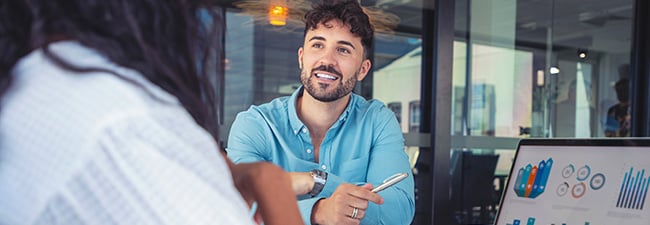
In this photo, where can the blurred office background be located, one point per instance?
(466, 79)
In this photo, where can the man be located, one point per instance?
(618, 116)
(105, 119)
(333, 140)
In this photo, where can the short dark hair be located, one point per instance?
(349, 12)
(622, 88)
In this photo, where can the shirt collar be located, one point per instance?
(294, 120)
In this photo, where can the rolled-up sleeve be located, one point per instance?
(387, 158)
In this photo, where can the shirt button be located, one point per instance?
(304, 130)
(324, 167)
(308, 150)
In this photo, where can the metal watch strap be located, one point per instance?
(320, 177)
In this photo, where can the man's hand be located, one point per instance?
(339, 208)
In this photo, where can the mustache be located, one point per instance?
(329, 69)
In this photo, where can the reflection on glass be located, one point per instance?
(544, 69)
(396, 82)
(414, 116)
(396, 107)
(538, 69)
(501, 90)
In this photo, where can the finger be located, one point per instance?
(360, 213)
(257, 217)
(354, 202)
(367, 186)
(350, 220)
(363, 192)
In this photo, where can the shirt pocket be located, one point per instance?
(354, 170)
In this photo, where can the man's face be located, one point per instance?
(331, 61)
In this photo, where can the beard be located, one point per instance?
(319, 90)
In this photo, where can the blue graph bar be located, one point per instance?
(634, 190)
(531, 180)
(639, 186)
(623, 188)
(630, 190)
(531, 221)
(645, 193)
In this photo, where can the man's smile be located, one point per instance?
(326, 76)
(326, 73)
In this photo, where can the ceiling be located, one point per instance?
(594, 25)
(597, 25)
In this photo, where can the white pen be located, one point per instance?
(390, 181)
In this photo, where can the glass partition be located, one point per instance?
(532, 69)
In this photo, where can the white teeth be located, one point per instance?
(325, 76)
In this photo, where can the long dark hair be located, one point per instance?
(14, 37)
(168, 41)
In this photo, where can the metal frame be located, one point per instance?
(640, 80)
(432, 207)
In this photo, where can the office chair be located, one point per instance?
(472, 187)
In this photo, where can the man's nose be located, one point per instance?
(328, 58)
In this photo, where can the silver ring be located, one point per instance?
(355, 211)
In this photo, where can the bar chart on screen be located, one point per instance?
(633, 190)
(530, 221)
(531, 180)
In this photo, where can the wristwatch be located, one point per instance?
(320, 177)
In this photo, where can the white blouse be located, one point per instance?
(94, 148)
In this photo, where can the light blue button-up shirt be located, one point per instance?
(365, 145)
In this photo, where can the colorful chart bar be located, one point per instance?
(531, 180)
(634, 190)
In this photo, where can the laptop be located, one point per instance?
(578, 182)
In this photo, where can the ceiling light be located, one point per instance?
(278, 15)
(290, 13)
(554, 70)
(582, 53)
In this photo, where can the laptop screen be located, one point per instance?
(578, 182)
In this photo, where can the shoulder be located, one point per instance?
(106, 86)
(372, 107)
(276, 109)
(44, 93)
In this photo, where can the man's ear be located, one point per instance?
(365, 68)
(300, 50)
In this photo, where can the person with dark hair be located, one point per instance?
(618, 116)
(107, 116)
(336, 144)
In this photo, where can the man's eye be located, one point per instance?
(317, 46)
(344, 50)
